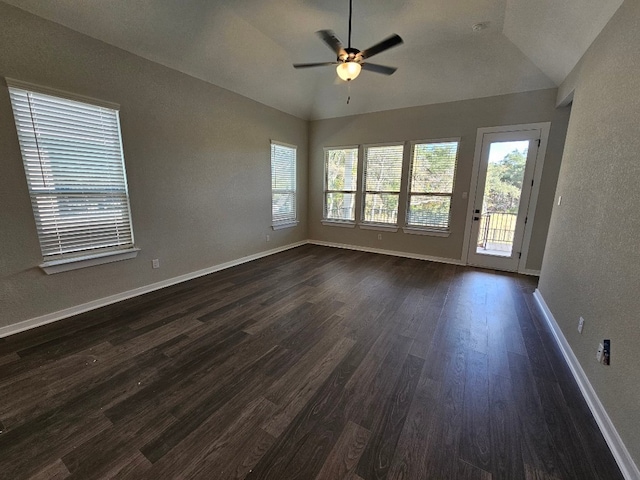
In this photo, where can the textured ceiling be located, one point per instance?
(248, 46)
(555, 34)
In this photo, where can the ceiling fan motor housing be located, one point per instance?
(350, 55)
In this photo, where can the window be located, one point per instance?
(341, 180)
(433, 167)
(73, 160)
(382, 175)
(283, 185)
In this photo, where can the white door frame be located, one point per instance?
(544, 128)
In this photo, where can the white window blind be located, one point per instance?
(73, 160)
(341, 180)
(433, 168)
(283, 184)
(382, 174)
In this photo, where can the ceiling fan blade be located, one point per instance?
(392, 41)
(332, 41)
(309, 65)
(373, 67)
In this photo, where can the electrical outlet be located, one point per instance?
(379, 236)
(580, 324)
(600, 352)
(155, 263)
(268, 238)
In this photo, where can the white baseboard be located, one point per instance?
(618, 449)
(101, 302)
(85, 307)
(393, 253)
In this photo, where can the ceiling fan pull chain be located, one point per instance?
(348, 92)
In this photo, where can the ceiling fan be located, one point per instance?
(351, 60)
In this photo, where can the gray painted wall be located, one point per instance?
(197, 159)
(456, 119)
(592, 262)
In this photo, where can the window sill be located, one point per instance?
(67, 264)
(337, 223)
(378, 226)
(432, 232)
(280, 226)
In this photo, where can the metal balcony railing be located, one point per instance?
(496, 231)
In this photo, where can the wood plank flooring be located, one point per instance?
(315, 363)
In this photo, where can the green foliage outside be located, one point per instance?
(384, 172)
(432, 173)
(504, 183)
(502, 199)
(431, 183)
(341, 171)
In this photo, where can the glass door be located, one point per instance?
(502, 198)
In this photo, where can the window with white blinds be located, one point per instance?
(432, 173)
(73, 160)
(283, 184)
(341, 180)
(382, 178)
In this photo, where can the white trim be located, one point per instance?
(436, 140)
(280, 226)
(74, 263)
(346, 147)
(282, 144)
(426, 231)
(378, 226)
(412, 229)
(393, 253)
(290, 220)
(529, 271)
(85, 307)
(11, 82)
(535, 192)
(399, 143)
(337, 223)
(544, 128)
(326, 191)
(627, 466)
(363, 193)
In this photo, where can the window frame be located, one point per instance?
(326, 191)
(430, 229)
(369, 225)
(88, 255)
(291, 221)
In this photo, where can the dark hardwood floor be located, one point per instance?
(315, 363)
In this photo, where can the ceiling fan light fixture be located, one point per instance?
(347, 71)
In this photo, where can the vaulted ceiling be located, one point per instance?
(248, 46)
